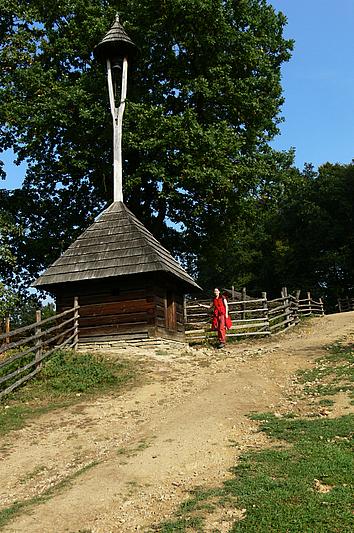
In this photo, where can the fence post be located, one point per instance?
(7, 329)
(243, 305)
(76, 323)
(266, 313)
(233, 293)
(38, 343)
(322, 308)
(309, 299)
(296, 311)
(287, 307)
(339, 305)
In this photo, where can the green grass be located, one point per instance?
(332, 374)
(303, 486)
(66, 378)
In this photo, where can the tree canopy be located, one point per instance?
(204, 100)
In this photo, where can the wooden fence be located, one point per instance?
(345, 304)
(23, 350)
(257, 317)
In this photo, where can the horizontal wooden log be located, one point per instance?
(284, 329)
(248, 333)
(278, 316)
(245, 334)
(15, 357)
(245, 326)
(19, 382)
(280, 324)
(110, 296)
(230, 303)
(245, 302)
(121, 318)
(281, 299)
(190, 332)
(112, 338)
(34, 337)
(115, 329)
(19, 331)
(115, 308)
(276, 309)
(18, 371)
(34, 372)
(246, 311)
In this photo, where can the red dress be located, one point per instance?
(219, 318)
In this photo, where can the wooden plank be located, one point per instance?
(115, 329)
(114, 308)
(107, 297)
(121, 318)
(113, 338)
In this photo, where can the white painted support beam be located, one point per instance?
(117, 116)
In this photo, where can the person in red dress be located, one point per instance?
(221, 311)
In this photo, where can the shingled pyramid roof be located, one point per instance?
(116, 40)
(116, 244)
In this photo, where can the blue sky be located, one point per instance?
(318, 81)
(318, 85)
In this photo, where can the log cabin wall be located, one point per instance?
(128, 308)
(111, 310)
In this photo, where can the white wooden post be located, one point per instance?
(117, 116)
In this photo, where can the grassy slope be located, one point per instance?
(306, 485)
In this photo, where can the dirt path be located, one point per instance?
(145, 450)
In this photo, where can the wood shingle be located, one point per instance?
(116, 244)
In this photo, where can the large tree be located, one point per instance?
(204, 101)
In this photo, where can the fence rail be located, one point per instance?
(345, 304)
(256, 317)
(23, 350)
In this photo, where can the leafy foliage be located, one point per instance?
(204, 101)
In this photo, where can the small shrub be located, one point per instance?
(69, 372)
